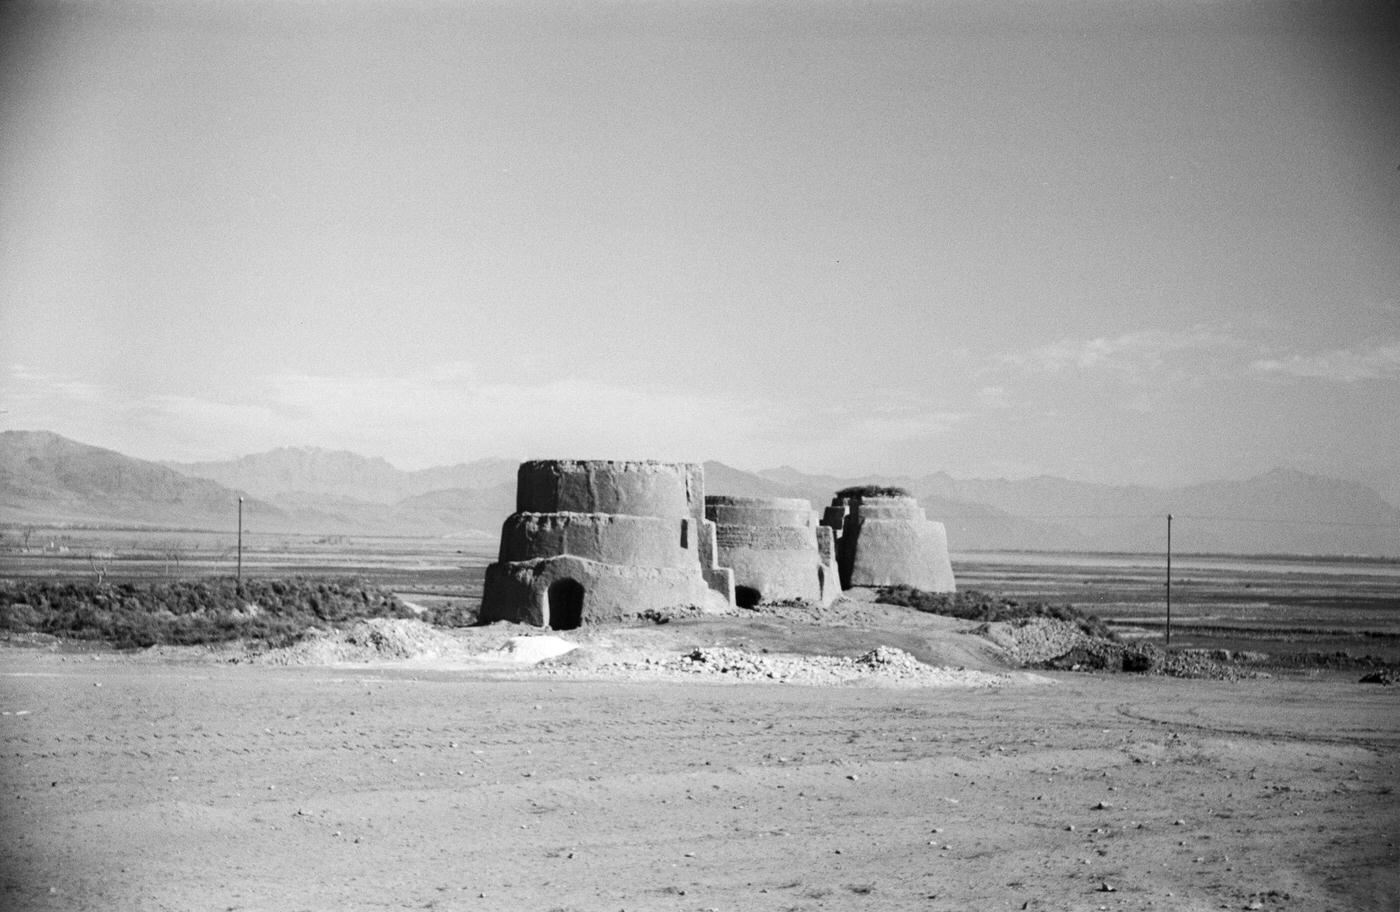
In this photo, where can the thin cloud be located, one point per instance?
(29, 384)
(904, 425)
(564, 416)
(437, 415)
(994, 397)
(1144, 350)
(1349, 365)
(427, 417)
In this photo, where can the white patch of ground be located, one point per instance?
(532, 649)
(621, 653)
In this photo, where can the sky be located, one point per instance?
(1122, 242)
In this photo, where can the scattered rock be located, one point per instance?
(884, 665)
(1052, 644)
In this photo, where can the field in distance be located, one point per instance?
(1269, 604)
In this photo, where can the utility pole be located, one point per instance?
(240, 546)
(1169, 580)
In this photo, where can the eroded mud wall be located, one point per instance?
(631, 534)
(773, 546)
(889, 541)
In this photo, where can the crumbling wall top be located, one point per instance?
(898, 506)
(758, 511)
(628, 487)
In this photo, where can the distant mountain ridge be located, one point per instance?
(312, 470)
(1280, 512)
(49, 479)
(46, 478)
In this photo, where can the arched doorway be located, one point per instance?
(747, 596)
(564, 604)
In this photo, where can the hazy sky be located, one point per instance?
(1116, 241)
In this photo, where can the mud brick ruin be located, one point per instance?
(600, 540)
(776, 549)
(887, 540)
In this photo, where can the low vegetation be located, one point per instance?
(871, 490)
(452, 613)
(972, 605)
(190, 612)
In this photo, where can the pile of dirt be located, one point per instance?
(667, 615)
(32, 640)
(1042, 644)
(1217, 664)
(1049, 644)
(884, 666)
(1036, 640)
(889, 660)
(400, 640)
(373, 640)
(855, 609)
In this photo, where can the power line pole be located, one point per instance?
(240, 546)
(1169, 580)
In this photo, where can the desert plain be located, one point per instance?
(613, 778)
(745, 762)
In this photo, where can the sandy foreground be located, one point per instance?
(161, 781)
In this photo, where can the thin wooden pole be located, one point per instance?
(1169, 580)
(240, 545)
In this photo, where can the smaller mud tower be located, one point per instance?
(884, 539)
(595, 540)
(775, 548)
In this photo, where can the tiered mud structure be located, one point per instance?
(776, 549)
(595, 540)
(883, 538)
(600, 540)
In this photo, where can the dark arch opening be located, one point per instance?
(565, 604)
(747, 596)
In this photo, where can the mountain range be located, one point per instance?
(49, 479)
(301, 470)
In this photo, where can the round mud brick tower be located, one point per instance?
(600, 540)
(887, 540)
(775, 548)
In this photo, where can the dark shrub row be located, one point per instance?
(189, 612)
(972, 605)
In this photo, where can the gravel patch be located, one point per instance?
(884, 666)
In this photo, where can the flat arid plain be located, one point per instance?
(764, 760)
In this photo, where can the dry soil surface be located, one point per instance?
(173, 781)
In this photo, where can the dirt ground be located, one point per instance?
(176, 781)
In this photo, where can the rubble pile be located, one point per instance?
(373, 640)
(883, 666)
(1031, 641)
